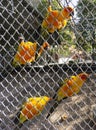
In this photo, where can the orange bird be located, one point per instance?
(30, 109)
(68, 88)
(56, 20)
(27, 52)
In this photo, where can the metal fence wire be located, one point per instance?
(31, 72)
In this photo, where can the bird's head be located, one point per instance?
(83, 76)
(45, 100)
(68, 12)
(46, 45)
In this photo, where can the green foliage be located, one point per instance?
(42, 7)
(68, 38)
(67, 34)
(86, 11)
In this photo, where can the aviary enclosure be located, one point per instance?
(48, 51)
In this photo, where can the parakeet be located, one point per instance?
(56, 20)
(30, 109)
(27, 52)
(68, 88)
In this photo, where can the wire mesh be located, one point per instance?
(72, 51)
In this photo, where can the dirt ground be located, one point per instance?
(74, 113)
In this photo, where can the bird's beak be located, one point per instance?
(49, 47)
(21, 38)
(50, 99)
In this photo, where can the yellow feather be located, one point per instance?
(72, 86)
(32, 107)
(56, 19)
(26, 53)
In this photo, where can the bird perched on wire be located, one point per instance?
(27, 52)
(68, 88)
(55, 20)
(30, 109)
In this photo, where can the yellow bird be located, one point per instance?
(30, 109)
(56, 20)
(27, 52)
(68, 88)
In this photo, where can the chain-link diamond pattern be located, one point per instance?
(72, 51)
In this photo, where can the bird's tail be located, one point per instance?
(17, 121)
(55, 105)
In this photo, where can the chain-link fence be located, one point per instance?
(71, 50)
